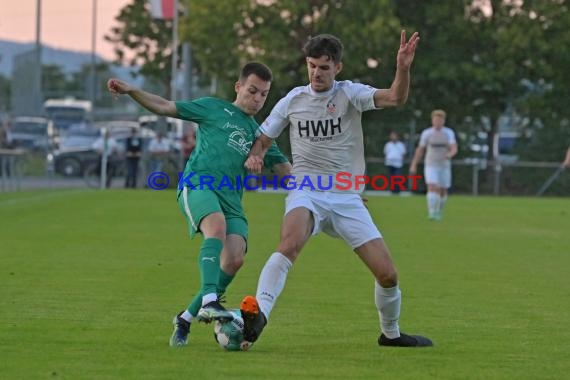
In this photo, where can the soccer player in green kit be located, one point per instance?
(226, 131)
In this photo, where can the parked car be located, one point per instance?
(173, 128)
(72, 163)
(78, 136)
(121, 130)
(76, 153)
(33, 133)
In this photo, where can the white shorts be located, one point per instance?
(438, 175)
(336, 214)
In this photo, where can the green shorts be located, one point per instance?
(197, 204)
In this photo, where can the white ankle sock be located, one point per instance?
(388, 301)
(272, 281)
(442, 201)
(433, 202)
(186, 316)
(210, 297)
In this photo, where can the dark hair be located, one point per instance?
(257, 68)
(324, 44)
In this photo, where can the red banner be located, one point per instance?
(162, 9)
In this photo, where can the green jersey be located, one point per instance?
(224, 138)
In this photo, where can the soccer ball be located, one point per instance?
(229, 335)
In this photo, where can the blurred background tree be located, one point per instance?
(143, 42)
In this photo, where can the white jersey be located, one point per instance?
(437, 143)
(325, 131)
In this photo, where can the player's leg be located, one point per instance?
(192, 215)
(444, 186)
(233, 254)
(203, 213)
(442, 202)
(431, 177)
(231, 260)
(297, 227)
(433, 200)
(295, 231)
(352, 221)
(213, 227)
(387, 294)
(376, 256)
(205, 305)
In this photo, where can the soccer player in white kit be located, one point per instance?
(326, 139)
(440, 144)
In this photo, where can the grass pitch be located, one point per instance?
(90, 281)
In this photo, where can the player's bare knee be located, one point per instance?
(214, 226)
(388, 278)
(216, 232)
(290, 248)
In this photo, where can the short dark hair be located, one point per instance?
(257, 68)
(324, 44)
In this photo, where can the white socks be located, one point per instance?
(442, 201)
(187, 316)
(272, 281)
(433, 202)
(388, 301)
(210, 297)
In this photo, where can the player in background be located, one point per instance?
(439, 144)
(326, 138)
(226, 131)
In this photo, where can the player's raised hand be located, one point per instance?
(407, 50)
(117, 86)
(254, 164)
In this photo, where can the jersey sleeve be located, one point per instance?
(451, 136)
(424, 137)
(277, 120)
(195, 110)
(274, 156)
(360, 95)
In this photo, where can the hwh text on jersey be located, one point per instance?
(319, 128)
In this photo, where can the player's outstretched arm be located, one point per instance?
(397, 94)
(254, 162)
(154, 103)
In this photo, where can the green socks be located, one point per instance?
(209, 264)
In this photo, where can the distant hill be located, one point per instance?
(70, 61)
